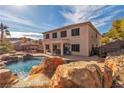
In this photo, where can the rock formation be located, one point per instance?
(41, 74)
(7, 78)
(27, 56)
(81, 74)
(54, 73)
(48, 66)
(116, 63)
(33, 81)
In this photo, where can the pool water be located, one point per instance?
(22, 68)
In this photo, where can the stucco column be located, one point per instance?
(61, 49)
(51, 48)
(44, 48)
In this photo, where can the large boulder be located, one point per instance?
(48, 66)
(5, 75)
(112, 62)
(81, 74)
(7, 78)
(41, 74)
(116, 63)
(5, 58)
(53, 63)
(107, 77)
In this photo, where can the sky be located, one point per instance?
(32, 20)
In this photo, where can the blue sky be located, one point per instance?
(31, 21)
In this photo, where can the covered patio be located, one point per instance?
(58, 47)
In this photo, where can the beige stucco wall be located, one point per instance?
(93, 40)
(84, 39)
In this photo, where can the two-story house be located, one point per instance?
(75, 39)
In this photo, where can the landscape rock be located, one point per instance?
(41, 74)
(48, 66)
(9, 59)
(33, 81)
(81, 74)
(2, 65)
(27, 56)
(7, 78)
(116, 63)
(107, 77)
(5, 75)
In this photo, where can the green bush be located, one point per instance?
(5, 47)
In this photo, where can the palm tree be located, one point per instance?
(4, 31)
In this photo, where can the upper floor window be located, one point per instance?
(47, 36)
(75, 47)
(75, 32)
(63, 34)
(54, 35)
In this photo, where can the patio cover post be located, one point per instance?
(61, 48)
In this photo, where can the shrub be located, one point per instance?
(5, 47)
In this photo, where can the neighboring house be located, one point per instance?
(28, 46)
(75, 39)
(13, 40)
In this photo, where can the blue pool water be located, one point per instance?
(22, 68)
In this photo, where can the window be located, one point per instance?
(54, 35)
(63, 34)
(47, 36)
(75, 47)
(75, 32)
(47, 46)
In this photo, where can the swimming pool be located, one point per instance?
(23, 67)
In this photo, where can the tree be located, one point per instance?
(105, 40)
(115, 33)
(4, 31)
(6, 46)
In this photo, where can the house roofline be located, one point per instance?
(88, 23)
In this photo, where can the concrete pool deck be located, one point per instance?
(66, 57)
(72, 57)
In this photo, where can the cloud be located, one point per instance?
(79, 13)
(32, 35)
(102, 21)
(9, 17)
(99, 15)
